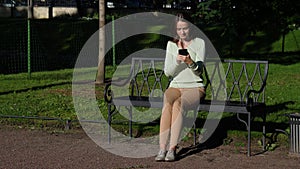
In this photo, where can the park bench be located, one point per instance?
(233, 86)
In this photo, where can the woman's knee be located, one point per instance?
(171, 94)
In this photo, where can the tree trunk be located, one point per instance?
(30, 9)
(79, 7)
(100, 79)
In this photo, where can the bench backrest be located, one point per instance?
(230, 80)
(148, 77)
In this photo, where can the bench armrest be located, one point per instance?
(249, 99)
(108, 94)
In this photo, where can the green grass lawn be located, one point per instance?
(283, 90)
(46, 94)
(259, 43)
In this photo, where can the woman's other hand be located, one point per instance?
(186, 59)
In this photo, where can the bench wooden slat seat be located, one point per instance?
(156, 102)
(241, 88)
(238, 107)
(142, 101)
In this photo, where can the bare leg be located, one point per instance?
(171, 94)
(189, 100)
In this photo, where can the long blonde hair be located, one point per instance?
(183, 17)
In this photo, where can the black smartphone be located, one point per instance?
(183, 52)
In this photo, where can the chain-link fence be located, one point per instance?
(54, 44)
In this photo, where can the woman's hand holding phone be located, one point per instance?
(183, 56)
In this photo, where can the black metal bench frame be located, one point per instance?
(250, 102)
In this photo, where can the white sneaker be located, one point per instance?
(161, 155)
(170, 156)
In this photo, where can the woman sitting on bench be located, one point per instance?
(184, 62)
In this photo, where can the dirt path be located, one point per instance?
(23, 148)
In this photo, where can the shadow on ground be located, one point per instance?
(220, 137)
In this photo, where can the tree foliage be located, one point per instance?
(242, 19)
(250, 16)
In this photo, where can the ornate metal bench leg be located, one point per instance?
(109, 123)
(264, 132)
(129, 109)
(248, 126)
(194, 126)
(249, 135)
(130, 122)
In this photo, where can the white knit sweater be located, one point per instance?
(184, 77)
